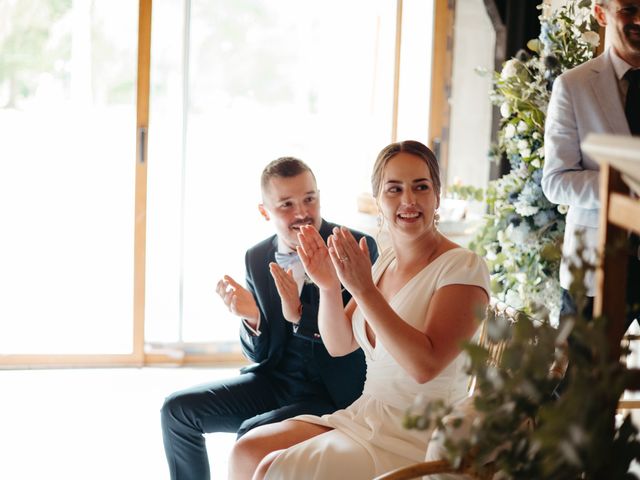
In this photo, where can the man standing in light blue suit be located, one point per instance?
(599, 96)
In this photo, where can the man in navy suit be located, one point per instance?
(292, 373)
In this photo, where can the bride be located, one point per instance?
(410, 314)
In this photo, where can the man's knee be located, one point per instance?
(175, 411)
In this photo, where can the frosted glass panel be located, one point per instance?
(67, 164)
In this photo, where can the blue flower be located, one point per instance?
(542, 218)
(536, 177)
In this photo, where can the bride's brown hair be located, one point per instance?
(409, 146)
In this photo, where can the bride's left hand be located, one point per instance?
(351, 260)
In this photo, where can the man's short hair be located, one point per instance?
(285, 167)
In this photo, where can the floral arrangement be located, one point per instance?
(521, 235)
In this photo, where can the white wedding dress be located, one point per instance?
(368, 437)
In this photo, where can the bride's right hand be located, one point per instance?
(315, 258)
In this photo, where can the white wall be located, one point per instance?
(474, 45)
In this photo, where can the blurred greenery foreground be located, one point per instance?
(520, 428)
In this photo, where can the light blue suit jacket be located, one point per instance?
(585, 99)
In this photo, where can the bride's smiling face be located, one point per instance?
(408, 199)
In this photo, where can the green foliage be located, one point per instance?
(528, 433)
(521, 426)
(466, 192)
(521, 235)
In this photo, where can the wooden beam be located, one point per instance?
(611, 299)
(67, 360)
(217, 360)
(624, 212)
(441, 72)
(140, 219)
(396, 73)
(31, 361)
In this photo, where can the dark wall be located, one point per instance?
(520, 18)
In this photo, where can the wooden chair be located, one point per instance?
(495, 309)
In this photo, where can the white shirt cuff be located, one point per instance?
(255, 332)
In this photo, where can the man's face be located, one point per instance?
(290, 203)
(622, 17)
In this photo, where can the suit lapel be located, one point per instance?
(603, 78)
(277, 323)
(326, 229)
(271, 257)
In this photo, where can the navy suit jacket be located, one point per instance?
(344, 376)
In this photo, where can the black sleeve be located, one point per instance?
(255, 347)
(373, 249)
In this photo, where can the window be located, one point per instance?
(67, 116)
(262, 80)
(234, 84)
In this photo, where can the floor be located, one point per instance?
(98, 424)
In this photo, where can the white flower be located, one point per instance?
(521, 233)
(592, 38)
(505, 110)
(563, 209)
(512, 299)
(524, 149)
(510, 69)
(509, 131)
(521, 277)
(536, 163)
(581, 15)
(522, 127)
(525, 210)
(536, 135)
(503, 236)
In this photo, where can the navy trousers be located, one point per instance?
(235, 405)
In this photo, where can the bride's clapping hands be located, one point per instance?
(314, 255)
(351, 261)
